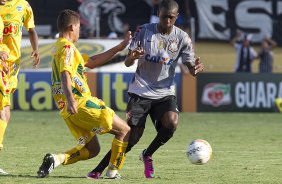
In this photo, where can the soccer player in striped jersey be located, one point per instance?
(157, 47)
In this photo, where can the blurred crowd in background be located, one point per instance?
(202, 20)
(103, 18)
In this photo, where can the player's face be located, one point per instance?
(265, 44)
(2, 2)
(76, 31)
(167, 18)
(246, 43)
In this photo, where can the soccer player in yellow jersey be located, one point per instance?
(84, 115)
(4, 54)
(3, 73)
(16, 14)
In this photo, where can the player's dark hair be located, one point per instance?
(66, 18)
(168, 5)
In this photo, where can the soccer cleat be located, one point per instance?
(94, 175)
(148, 165)
(2, 172)
(47, 166)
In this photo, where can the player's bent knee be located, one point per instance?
(93, 152)
(171, 124)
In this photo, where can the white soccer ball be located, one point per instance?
(199, 152)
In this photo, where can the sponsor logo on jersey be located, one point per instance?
(97, 130)
(78, 82)
(82, 140)
(57, 90)
(158, 59)
(216, 94)
(11, 29)
(19, 8)
(61, 104)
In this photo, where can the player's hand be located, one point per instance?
(72, 106)
(35, 55)
(5, 67)
(136, 53)
(199, 67)
(4, 55)
(125, 41)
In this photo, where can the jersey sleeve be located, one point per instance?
(28, 17)
(3, 47)
(188, 54)
(66, 60)
(85, 57)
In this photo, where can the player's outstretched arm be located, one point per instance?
(100, 59)
(194, 70)
(235, 38)
(67, 88)
(34, 44)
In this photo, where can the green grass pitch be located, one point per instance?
(247, 148)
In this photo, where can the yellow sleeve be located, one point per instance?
(28, 17)
(66, 60)
(85, 57)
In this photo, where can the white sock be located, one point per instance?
(112, 171)
(59, 159)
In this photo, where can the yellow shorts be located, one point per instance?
(5, 97)
(13, 83)
(93, 117)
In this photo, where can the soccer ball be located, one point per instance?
(199, 152)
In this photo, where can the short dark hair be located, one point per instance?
(66, 18)
(168, 5)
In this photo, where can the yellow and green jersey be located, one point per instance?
(15, 15)
(3, 47)
(66, 57)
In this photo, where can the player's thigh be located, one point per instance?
(119, 127)
(5, 104)
(137, 110)
(166, 111)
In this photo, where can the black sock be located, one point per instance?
(162, 137)
(105, 161)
